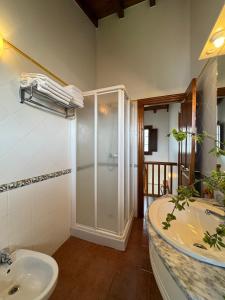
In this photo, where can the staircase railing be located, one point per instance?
(159, 178)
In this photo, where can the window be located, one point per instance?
(219, 135)
(150, 140)
(146, 140)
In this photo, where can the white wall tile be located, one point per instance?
(3, 204)
(4, 232)
(33, 143)
(20, 217)
(36, 216)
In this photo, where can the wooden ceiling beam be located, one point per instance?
(88, 11)
(152, 3)
(159, 100)
(96, 9)
(120, 8)
(156, 107)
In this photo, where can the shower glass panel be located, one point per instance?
(85, 164)
(107, 162)
(126, 160)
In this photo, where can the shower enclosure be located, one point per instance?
(104, 203)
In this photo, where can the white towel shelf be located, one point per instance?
(32, 96)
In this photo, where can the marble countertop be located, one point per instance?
(198, 280)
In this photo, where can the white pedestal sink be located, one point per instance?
(32, 276)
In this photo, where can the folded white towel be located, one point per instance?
(44, 89)
(67, 95)
(74, 92)
(28, 81)
(69, 90)
(77, 102)
(73, 89)
(48, 81)
(53, 96)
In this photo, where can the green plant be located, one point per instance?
(216, 181)
(183, 198)
(185, 194)
(215, 240)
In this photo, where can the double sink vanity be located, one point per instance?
(184, 266)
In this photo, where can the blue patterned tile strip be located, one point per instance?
(20, 183)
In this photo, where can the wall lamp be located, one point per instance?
(218, 38)
(1, 44)
(215, 44)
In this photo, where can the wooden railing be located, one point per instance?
(159, 175)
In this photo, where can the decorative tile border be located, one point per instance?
(20, 183)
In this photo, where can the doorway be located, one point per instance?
(155, 173)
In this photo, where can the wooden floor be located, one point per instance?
(88, 271)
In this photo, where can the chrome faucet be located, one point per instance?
(211, 212)
(5, 257)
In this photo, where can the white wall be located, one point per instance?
(203, 17)
(148, 50)
(155, 51)
(159, 120)
(54, 32)
(34, 142)
(174, 109)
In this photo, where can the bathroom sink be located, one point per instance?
(32, 276)
(187, 231)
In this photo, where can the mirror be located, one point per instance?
(206, 117)
(210, 114)
(220, 133)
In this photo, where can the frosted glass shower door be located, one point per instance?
(103, 162)
(85, 198)
(107, 161)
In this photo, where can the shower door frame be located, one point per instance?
(121, 226)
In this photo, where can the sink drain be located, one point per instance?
(14, 290)
(199, 246)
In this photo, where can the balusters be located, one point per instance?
(153, 179)
(158, 180)
(167, 182)
(147, 179)
(171, 179)
(164, 181)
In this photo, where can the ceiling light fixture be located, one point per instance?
(218, 38)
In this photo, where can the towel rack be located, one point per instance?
(29, 94)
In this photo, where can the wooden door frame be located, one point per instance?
(160, 100)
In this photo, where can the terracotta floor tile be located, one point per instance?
(91, 272)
